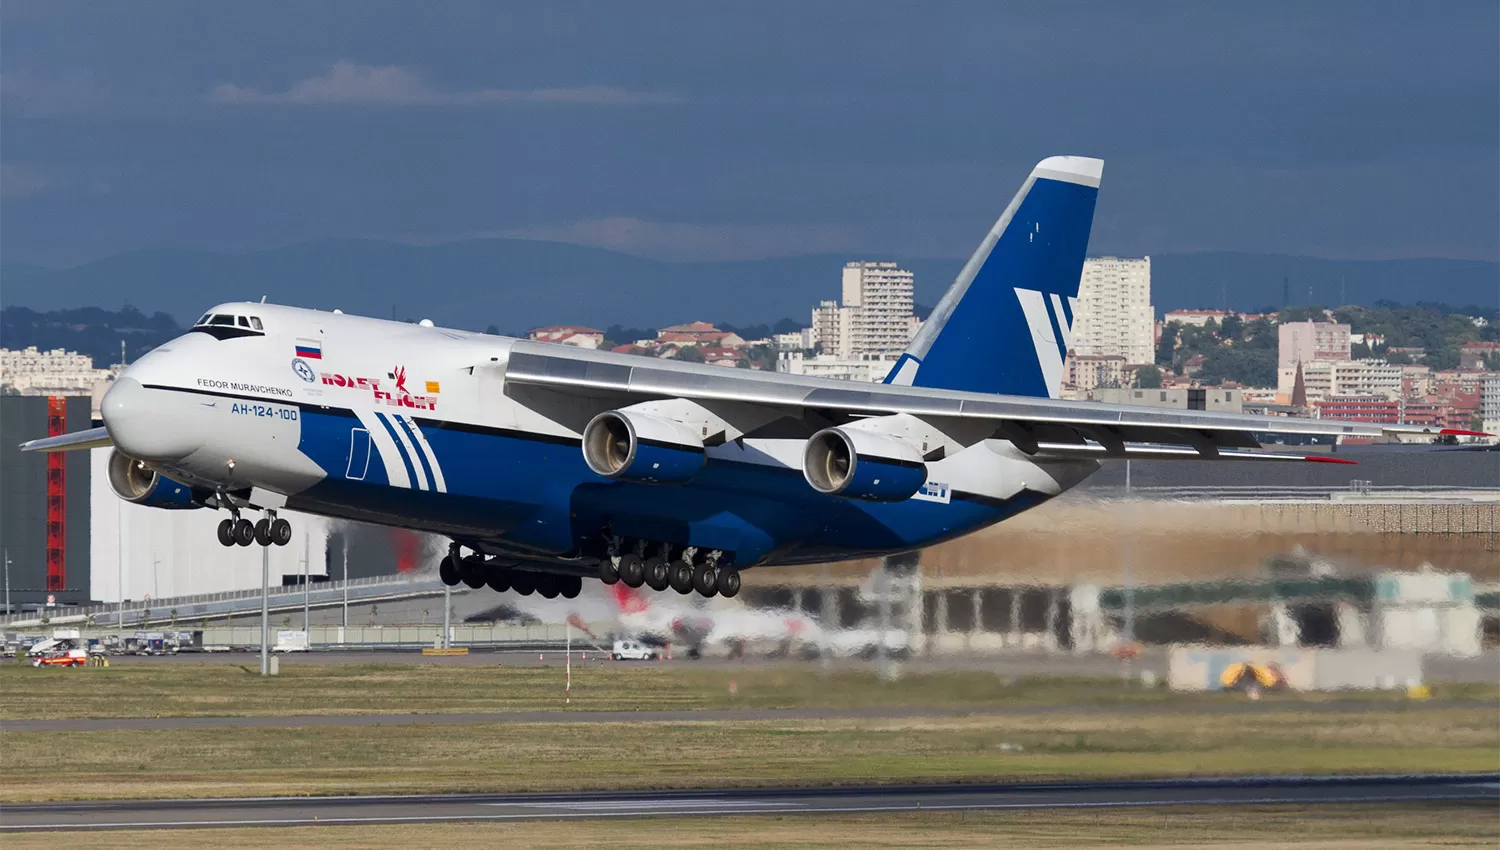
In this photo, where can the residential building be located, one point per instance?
(700, 334)
(870, 369)
(1301, 342)
(574, 335)
(1191, 398)
(1325, 378)
(56, 372)
(1366, 407)
(1086, 372)
(1113, 314)
(799, 341)
(1490, 404)
(876, 316)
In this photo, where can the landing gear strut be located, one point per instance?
(268, 530)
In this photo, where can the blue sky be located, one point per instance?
(711, 131)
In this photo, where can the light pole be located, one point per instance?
(345, 538)
(7, 583)
(120, 521)
(306, 568)
(265, 610)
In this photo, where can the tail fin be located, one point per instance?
(1007, 322)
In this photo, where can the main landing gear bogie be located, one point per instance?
(477, 572)
(270, 530)
(684, 570)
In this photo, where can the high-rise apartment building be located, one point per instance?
(1301, 342)
(1114, 315)
(1489, 410)
(876, 316)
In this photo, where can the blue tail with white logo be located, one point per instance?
(1006, 324)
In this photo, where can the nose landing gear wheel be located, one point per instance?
(657, 573)
(263, 531)
(448, 571)
(632, 571)
(681, 577)
(705, 580)
(728, 583)
(244, 532)
(226, 532)
(281, 532)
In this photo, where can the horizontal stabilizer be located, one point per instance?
(93, 438)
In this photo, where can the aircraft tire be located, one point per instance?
(263, 531)
(571, 586)
(607, 571)
(705, 580)
(244, 532)
(499, 581)
(682, 577)
(281, 531)
(523, 583)
(448, 571)
(226, 532)
(471, 574)
(632, 571)
(728, 583)
(657, 574)
(547, 586)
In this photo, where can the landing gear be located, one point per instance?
(681, 577)
(226, 532)
(728, 582)
(632, 570)
(608, 572)
(705, 580)
(448, 571)
(571, 586)
(471, 573)
(499, 581)
(657, 574)
(263, 531)
(281, 531)
(244, 532)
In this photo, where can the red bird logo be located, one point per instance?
(400, 375)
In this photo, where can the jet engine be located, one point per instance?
(134, 482)
(860, 464)
(633, 446)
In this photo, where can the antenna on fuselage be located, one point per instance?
(263, 299)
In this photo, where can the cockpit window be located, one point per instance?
(255, 323)
(244, 322)
(228, 326)
(204, 319)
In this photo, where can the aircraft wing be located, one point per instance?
(1038, 426)
(93, 438)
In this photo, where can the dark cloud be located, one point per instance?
(1341, 129)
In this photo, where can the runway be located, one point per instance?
(303, 811)
(709, 715)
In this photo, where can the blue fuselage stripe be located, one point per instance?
(411, 471)
(416, 446)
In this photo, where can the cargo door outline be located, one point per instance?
(359, 454)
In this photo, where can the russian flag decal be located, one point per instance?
(310, 349)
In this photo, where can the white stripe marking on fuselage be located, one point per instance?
(439, 483)
(409, 450)
(395, 470)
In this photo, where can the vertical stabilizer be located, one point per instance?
(1006, 324)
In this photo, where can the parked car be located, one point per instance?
(634, 650)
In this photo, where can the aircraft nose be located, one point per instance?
(145, 424)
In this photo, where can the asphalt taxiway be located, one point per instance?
(304, 811)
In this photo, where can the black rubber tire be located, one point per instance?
(572, 586)
(471, 574)
(244, 532)
(547, 586)
(632, 571)
(263, 531)
(657, 573)
(728, 583)
(705, 580)
(523, 583)
(448, 571)
(281, 532)
(498, 580)
(226, 532)
(681, 577)
(607, 572)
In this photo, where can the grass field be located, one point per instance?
(236, 689)
(1047, 735)
(1327, 828)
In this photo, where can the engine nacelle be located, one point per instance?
(859, 464)
(632, 446)
(134, 482)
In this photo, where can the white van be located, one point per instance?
(634, 650)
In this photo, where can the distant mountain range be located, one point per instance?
(517, 284)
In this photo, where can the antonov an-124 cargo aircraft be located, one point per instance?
(546, 464)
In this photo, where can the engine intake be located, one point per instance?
(862, 465)
(135, 482)
(631, 446)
